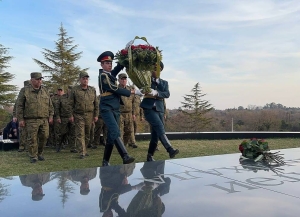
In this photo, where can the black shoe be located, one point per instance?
(133, 146)
(127, 159)
(41, 158)
(33, 160)
(81, 157)
(150, 158)
(105, 163)
(86, 155)
(21, 150)
(94, 147)
(74, 151)
(89, 146)
(57, 149)
(173, 152)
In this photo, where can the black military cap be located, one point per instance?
(106, 56)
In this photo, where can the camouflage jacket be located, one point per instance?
(33, 103)
(129, 103)
(84, 100)
(63, 107)
(55, 100)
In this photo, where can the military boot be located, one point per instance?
(150, 157)
(166, 143)
(123, 152)
(151, 150)
(106, 156)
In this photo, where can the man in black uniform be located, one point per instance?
(110, 106)
(153, 106)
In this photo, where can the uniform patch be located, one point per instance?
(105, 81)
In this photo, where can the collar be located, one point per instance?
(106, 72)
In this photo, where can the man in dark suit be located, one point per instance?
(153, 106)
(110, 102)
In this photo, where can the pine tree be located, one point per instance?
(7, 90)
(60, 68)
(195, 107)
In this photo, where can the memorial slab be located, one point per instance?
(222, 185)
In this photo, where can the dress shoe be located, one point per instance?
(74, 151)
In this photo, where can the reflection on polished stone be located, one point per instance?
(203, 186)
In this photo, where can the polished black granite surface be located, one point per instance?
(202, 186)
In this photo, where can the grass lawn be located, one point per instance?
(15, 163)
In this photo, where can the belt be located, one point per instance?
(106, 94)
(107, 188)
(152, 97)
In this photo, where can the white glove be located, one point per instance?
(128, 44)
(138, 186)
(138, 92)
(153, 92)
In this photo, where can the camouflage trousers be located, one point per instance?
(22, 138)
(71, 138)
(126, 127)
(37, 135)
(53, 134)
(100, 128)
(132, 137)
(62, 130)
(83, 124)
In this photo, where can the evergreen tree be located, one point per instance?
(7, 90)
(194, 108)
(60, 68)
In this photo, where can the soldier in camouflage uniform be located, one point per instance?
(35, 111)
(83, 176)
(85, 110)
(63, 114)
(52, 140)
(138, 111)
(71, 133)
(100, 129)
(36, 182)
(22, 131)
(127, 111)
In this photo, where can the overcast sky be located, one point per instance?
(241, 52)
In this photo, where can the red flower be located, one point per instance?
(133, 47)
(241, 148)
(124, 52)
